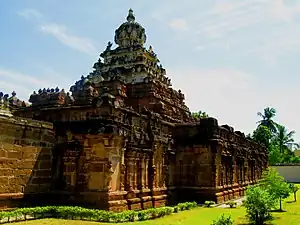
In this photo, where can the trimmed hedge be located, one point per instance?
(79, 213)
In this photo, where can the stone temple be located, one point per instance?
(123, 138)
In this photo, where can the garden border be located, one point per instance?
(80, 213)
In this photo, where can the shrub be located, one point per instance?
(209, 203)
(186, 205)
(275, 185)
(231, 204)
(68, 212)
(259, 204)
(223, 220)
(142, 215)
(176, 209)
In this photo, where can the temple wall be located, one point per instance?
(193, 166)
(92, 169)
(25, 159)
(215, 162)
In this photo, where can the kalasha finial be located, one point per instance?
(130, 17)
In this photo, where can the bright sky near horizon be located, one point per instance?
(230, 58)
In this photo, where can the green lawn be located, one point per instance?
(203, 216)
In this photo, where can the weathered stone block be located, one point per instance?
(41, 180)
(7, 146)
(44, 165)
(27, 164)
(14, 154)
(3, 153)
(43, 173)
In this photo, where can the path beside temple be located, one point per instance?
(238, 201)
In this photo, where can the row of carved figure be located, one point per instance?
(6, 102)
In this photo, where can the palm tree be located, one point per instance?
(285, 139)
(267, 119)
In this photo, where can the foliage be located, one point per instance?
(294, 189)
(273, 183)
(68, 212)
(267, 119)
(295, 159)
(274, 154)
(277, 139)
(259, 204)
(231, 204)
(209, 203)
(262, 135)
(284, 139)
(223, 220)
(199, 115)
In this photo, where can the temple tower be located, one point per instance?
(135, 74)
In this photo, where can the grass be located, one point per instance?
(203, 216)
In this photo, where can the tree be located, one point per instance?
(284, 138)
(276, 138)
(267, 119)
(259, 204)
(199, 115)
(294, 189)
(273, 183)
(262, 135)
(274, 154)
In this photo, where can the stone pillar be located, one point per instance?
(154, 179)
(122, 170)
(231, 175)
(163, 171)
(129, 172)
(108, 174)
(215, 168)
(245, 171)
(146, 168)
(142, 171)
(134, 171)
(122, 176)
(227, 168)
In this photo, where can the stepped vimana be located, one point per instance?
(123, 138)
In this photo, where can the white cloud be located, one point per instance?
(233, 15)
(30, 14)
(284, 41)
(282, 12)
(60, 32)
(234, 97)
(24, 84)
(178, 24)
(229, 21)
(8, 87)
(21, 77)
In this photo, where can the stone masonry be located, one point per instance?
(25, 157)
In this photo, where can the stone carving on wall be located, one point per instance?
(10, 104)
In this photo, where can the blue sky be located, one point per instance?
(231, 58)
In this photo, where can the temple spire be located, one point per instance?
(130, 17)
